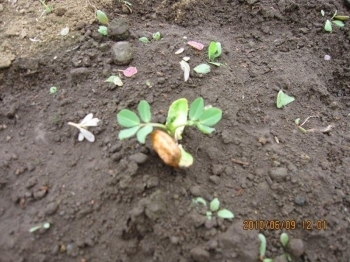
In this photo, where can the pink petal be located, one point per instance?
(129, 71)
(196, 45)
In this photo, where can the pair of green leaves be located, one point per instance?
(103, 19)
(214, 206)
(336, 19)
(127, 118)
(204, 118)
(214, 51)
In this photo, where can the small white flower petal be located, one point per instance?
(80, 137)
(87, 134)
(93, 122)
(86, 119)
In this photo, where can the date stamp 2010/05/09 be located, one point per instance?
(275, 224)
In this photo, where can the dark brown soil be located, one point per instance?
(103, 206)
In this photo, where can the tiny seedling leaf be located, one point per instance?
(214, 50)
(115, 80)
(127, 118)
(328, 26)
(225, 213)
(268, 260)
(196, 109)
(186, 68)
(156, 36)
(144, 40)
(205, 129)
(297, 121)
(202, 69)
(199, 200)
(283, 99)
(210, 116)
(102, 30)
(102, 17)
(284, 239)
(144, 110)
(262, 249)
(214, 205)
(342, 17)
(53, 90)
(338, 23)
(208, 214)
(143, 133)
(126, 133)
(177, 117)
(322, 12)
(186, 159)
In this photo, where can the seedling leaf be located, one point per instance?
(177, 117)
(338, 23)
(214, 205)
(102, 17)
(102, 30)
(144, 110)
(144, 40)
(284, 239)
(202, 69)
(199, 200)
(225, 213)
(283, 99)
(210, 116)
(115, 80)
(214, 50)
(143, 133)
(128, 118)
(328, 26)
(186, 159)
(196, 109)
(262, 249)
(322, 12)
(342, 17)
(53, 90)
(205, 129)
(186, 68)
(156, 36)
(126, 133)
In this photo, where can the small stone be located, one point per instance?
(196, 191)
(116, 148)
(39, 194)
(161, 80)
(139, 158)
(1, 7)
(300, 200)
(122, 53)
(6, 59)
(51, 208)
(31, 182)
(295, 247)
(278, 174)
(199, 254)
(60, 11)
(152, 182)
(174, 240)
(118, 29)
(117, 156)
(214, 179)
(218, 169)
(79, 74)
(262, 140)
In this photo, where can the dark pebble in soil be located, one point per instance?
(300, 200)
(196, 191)
(79, 74)
(295, 247)
(117, 156)
(118, 29)
(278, 174)
(116, 148)
(122, 53)
(199, 254)
(39, 194)
(139, 158)
(214, 179)
(281, 258)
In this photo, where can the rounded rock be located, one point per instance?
(295, 247)
(278, 174)
(118, 29)
(199, 254)
(139, 158)
(122, 53)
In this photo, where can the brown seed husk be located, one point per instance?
(166, 147)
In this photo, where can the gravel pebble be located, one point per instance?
(300, 200)
(295, 247)
(199, 254)
(278, 174)
(196, 190)
(51, 208)
(39, 194)
(139, 158)
(122, 53)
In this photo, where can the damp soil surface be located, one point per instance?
(112, 200)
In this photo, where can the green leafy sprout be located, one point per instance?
(336, 19)
(214, 206)
(283, 99)
(53, 90)
(47, 8)
(214, 51)
(179, 116)
(284, 238)
(102, 19)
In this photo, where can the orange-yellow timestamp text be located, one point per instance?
(250, 224)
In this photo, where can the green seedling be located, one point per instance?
(156, 36)
(127, 4)
(336, 19)
(179, 116)
(47, 8)
(103, 30)
(144, 40)
(303, 130)
(262, 249)
(214, 51)
(115, 80)
(214, 206)
(53, 90)
(284, 238)
(102, 19)
(202, 69)
(45, 225)
(283, 99)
